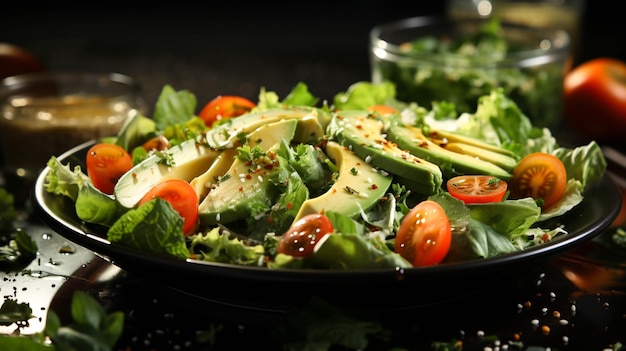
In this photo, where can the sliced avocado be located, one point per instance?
(185, 161)
(452, 163)
(244, 185)
(358, 186)
(312, 123)
(262, 137)
(443, 137)
(203, 183)
(362, 133)
(498, 159)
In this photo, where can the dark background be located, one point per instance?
(235, 48)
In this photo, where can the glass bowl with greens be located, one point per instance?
(437, 59)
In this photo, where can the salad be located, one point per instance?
(362, 182)
(466, 65)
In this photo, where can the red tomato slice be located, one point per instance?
(226, 106)
(473, 189)
(300, 239)
(106, 163)
(541, 176)
(425, 235)
(181, 195)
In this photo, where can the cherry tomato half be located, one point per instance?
(300, 239)
(225, 106)
(541, 176)
(594, 102)
(181, 195)
(106, 163)
(158, 143)
(383, 110)
(425, 235)
(474, 189)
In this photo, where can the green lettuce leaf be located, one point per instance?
(153, 227)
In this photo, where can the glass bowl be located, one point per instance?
(44, 114)
(438, 59)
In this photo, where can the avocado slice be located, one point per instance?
(362, 133)
(439, 136)
(358, 186)
(203, 183)
(185, 161)
(312, 123)
(452, 161)
(241, 186)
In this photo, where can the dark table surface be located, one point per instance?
(572, 302)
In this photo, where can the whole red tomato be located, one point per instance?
(595, 99)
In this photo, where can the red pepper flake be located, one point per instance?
(248, 176)
(240, 189)
(374, 186)
(289, 205)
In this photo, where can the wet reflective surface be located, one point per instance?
(574, 301)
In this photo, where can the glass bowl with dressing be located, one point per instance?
(45, 114)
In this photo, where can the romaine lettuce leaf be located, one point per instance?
(153, 227)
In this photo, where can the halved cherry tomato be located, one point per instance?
(158, 143)
(594, 100)
(474, 189)
(425, 235)
(383, 110)
(300, 239)
(225, 106)
(181, 195)
(106, 163)
(541, 176)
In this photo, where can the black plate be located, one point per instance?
(275, 290)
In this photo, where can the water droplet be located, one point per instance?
(46, 236)
(52, 262)
(67, 249)
(399, 273)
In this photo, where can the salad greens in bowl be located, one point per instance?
(359, 192)
(430, 58)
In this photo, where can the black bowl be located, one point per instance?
(277, 290)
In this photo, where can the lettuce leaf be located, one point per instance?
(153, 227)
